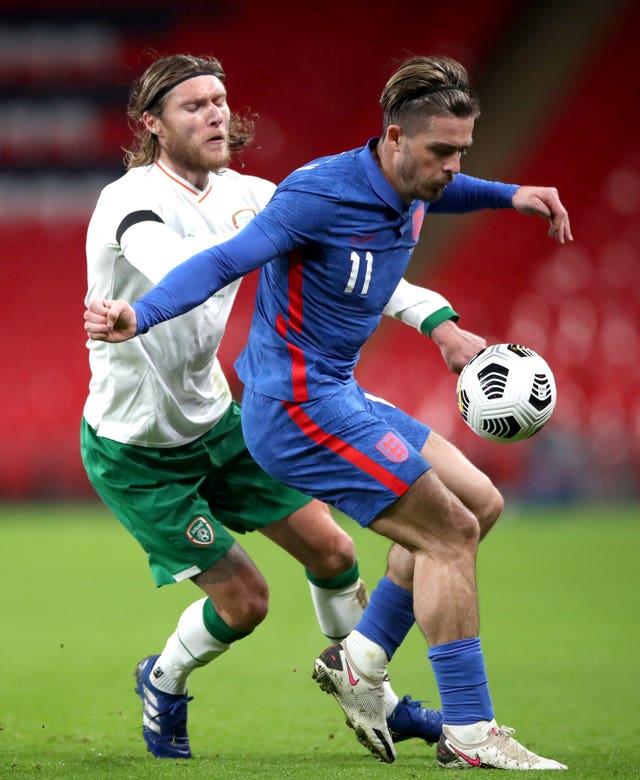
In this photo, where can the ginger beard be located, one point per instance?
(208, 154)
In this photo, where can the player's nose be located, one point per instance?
(453, 163)
(215, 115)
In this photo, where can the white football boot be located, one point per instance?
(361, 699)
(498, 750)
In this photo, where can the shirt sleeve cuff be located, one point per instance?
(433, 320)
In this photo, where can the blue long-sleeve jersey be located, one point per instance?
(334, 241)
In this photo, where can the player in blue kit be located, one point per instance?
(334, 241)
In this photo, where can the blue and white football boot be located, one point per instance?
(164, 715)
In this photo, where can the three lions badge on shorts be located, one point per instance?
(393, 448)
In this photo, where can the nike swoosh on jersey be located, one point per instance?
(363, 239)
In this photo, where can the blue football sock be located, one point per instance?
(388, 616)
(462, 681)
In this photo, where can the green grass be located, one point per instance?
(560, 626)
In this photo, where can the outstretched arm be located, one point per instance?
(182, 289)
(545, 202)
(468, 193)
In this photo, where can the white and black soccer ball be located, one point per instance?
(506, 392)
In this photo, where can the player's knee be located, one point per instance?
(455, 535)
(339, 554)
(247, 609)
(490, 511)
(470, 529)
(329, 551)
(463, 531)
(400, 566)
(253, 613)
(343, 554)
(238, 591)
(323, 547)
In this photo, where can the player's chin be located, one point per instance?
(431, 192)
(219, 158)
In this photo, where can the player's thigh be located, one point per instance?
(466, 481)
(428, 493)
(311, 536)
(155, 495)
(429, 517)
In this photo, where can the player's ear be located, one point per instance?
(151, 122)
(394, 133)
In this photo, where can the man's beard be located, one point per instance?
(420, 189)
(219, 159)
(427, 190)
(199, 159)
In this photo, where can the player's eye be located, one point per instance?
(444, 151)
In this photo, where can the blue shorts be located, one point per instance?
(350, 449)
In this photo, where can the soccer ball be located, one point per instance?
(506, 392)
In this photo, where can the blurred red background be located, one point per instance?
(557, 110)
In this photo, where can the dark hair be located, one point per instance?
(148, 94)
(424, 87)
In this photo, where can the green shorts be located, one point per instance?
(177, 501)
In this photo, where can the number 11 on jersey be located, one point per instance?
(356, 259)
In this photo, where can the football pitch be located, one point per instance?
(560, 611)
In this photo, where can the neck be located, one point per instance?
(197, 178)
(383, 156)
